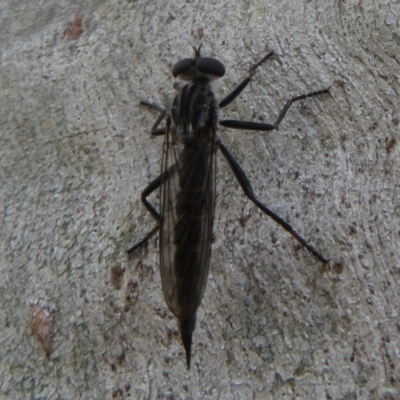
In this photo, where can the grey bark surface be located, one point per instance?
(76, 154)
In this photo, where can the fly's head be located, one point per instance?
(198, 69)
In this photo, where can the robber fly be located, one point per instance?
(187, 184)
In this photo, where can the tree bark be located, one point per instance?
(81, 320)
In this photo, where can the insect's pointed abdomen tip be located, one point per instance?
(186, 329)
(187, 344)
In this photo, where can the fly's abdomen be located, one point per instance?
(187, 202)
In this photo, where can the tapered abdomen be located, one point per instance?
(187, 202)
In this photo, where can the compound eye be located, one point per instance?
(182, 67)
(210, 66)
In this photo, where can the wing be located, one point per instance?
(187, 210)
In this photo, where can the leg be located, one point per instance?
(155, 130)
(235, 92)
(259, 126)
(245, 184)
(146, 192)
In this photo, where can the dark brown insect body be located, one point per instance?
(187, 185)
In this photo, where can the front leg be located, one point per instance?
(155, 130)
(239, 88)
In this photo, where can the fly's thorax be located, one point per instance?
(194, 114)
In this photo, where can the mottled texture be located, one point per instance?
(75, 154)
